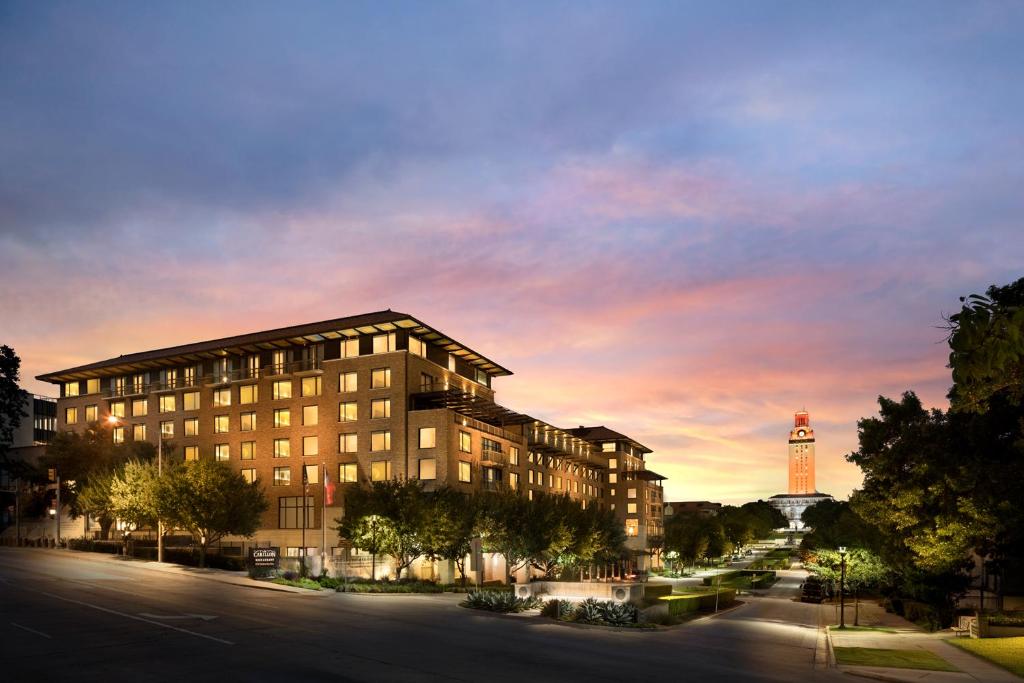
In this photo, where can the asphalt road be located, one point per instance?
(65, 616)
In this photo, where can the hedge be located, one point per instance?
(693, 602)
(657, 590)
(725, 576)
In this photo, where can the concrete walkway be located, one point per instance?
(908, 636)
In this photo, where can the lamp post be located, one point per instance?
(842, 586)
(114, 420)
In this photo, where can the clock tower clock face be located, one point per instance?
(802, 432)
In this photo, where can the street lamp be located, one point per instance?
(842, 586)
(115, 421)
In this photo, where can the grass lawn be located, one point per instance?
(874, 629)
(1006, 652)
(903, 659)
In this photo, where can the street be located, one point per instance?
(71, 616)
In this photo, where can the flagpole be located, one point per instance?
(323, 521)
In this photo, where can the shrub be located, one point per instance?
(563, 610)
(1007, 619)
(656, 590)
(589, 612)
(388, 587)
(329, 583)
(618, 613)
(309, 584)
(725, 577)
(499, 601)
(692, 602)
(289, 575)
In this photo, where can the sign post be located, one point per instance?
(264, 558)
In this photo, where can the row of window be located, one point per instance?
(380, 470)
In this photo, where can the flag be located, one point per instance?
(328, 488)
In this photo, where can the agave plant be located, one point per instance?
(590, 612)
(499, 601)
(563, 610)
(618, 613)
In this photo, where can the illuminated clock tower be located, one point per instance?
(801, 456)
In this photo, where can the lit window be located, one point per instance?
(380, 407)
(118, 434)
(428, 437)
(248, 393)
(310, 415)
(310, 445)
(247, 422)
(282, 389)
(558, 483)
(192, 426)
(92, 386)
(140, 407)
(171, 379)
(630, 493)
(347, 382)
(348, 443)
(380, 470)
(513, 481)
(71, 388)
(630, 508)
(311, 386)
(191, 400)
(428, 468)
(380, 378)
(282, 417)
(71, 416)
(451, 362)
(138, 383)
(311, 474)
(292, 515)
(138, 432)
(119, 386)
(551, 481)
(282, 476)
(632, 527)
(347, 473)
(382, 343)
(608, 447)
(465, 471)
(513, 455)
(92, 413)
(222, 452)
(278, 362)
(248, 450)
(117, 407)
(465, 442)
(417, 347)
(167, 404)
(348, 412)
(613, 478)
(191, 452)
(531, 476)
(380, 441)
(613, 463)
(221, 398)
(350, 347)
(167, 429)
(282, 448)
(220, 424)
(249, 475)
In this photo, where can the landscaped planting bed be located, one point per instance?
(683, 603)
(902, 659)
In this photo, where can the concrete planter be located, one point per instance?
(581, 590)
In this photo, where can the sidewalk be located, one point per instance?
(220, 575)
(908, 636)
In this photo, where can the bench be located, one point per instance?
(965, 626)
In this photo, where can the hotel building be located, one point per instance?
(365, 398)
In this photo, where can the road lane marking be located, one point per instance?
(132, 616)
(32, 630)
(204, 617)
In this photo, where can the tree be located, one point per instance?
(12, 398)
(686, 535)
(133, 493)
(94, 500)
(451, 527)
(737, 525)
(986, 342)
(864, 570)
(209, 501)
(387, 517)
(833, 524)
(505, 528)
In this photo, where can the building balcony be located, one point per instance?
(492, 458)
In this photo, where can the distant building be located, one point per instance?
(802, 492)
(704, 508)
(36, 429)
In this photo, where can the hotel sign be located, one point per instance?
(264, 557)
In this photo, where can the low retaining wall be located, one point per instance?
(619, 592)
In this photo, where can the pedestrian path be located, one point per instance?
(907, 636)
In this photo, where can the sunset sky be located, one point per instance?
(683, 221)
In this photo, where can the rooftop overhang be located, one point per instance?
(476, 406)
(300, 335)
(645, 475)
